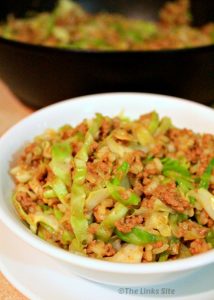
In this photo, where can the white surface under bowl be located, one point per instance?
(183, 113)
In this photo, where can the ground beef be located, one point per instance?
(26, 202)
(126, 224)
(190, 230)
(199, 246)
(170, 196)
(100, 249)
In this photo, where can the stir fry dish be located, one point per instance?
(70, 26)
(121, 190)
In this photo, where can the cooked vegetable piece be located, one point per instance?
(137, 236)
(206, 176)
(122, 195)
(106, 228)
(78, 219)
(61, 159)
(207, 201)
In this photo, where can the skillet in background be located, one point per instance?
(41, 75)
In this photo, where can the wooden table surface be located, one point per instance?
(11, 111)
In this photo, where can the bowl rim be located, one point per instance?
(51, 49)
(91, 263)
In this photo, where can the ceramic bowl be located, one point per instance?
(183, 113)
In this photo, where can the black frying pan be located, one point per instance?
(39, 75)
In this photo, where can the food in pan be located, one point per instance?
(70, 26)
(118, 189)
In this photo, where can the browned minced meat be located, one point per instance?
(148, 202)
(199, 246)
(82, 128)
(193, 147)
(190, 229)
(51, 201)
(175, 13)
(143, 180)
(99, 170)
(67, 226)
(101, 210)
(138, 188)
(42, 173)
(204, 161)
(76, 146)
(66, 133)
(105, 127)
(107, 249)
(207, 139)
(93, 148)
(170, 196)
(26, 202)
(211, 188)
(194, 153)
(93, 228)
(92, 175)
(204, 219)
(29, 150)
(183, 139)
(146, 190)
(146, 117)
(136, 182)
(126, 224)
(152, 171)
(116, 122)
(71, 19)
(135, 161)
(158, 150)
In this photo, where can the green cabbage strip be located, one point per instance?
(206, 176)
(178, 171)
(184, 184)
(95, 198)
(78, 220)
(49, 193)
(67, 237)
(7, 31)
(49, 220)
(61, 161)
(153, 125)
(143, 136)
(163, 256)
(118, 192)
(116, 147)
(59, 188)
(165, 125)
(58, 214)
(174, 220)
(37, 217)
(60, 166)
(206, 199)
(106, 227)
(137, 236)
(20, 210)
(170, 164)
(121, 173)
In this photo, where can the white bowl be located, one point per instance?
(183, 113)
